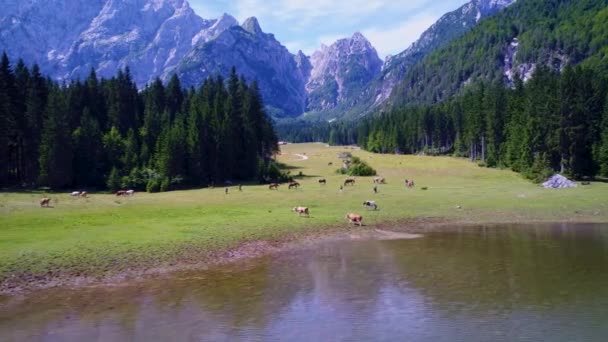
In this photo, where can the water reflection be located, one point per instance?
(492, 283)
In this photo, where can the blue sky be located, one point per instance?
(391, 25)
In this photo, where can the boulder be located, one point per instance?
(559, 182)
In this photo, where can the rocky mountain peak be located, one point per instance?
(220, 25)
(341, 71)
(252, 25)
(303, 64)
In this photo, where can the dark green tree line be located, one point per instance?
(555, 122)
(104, 133)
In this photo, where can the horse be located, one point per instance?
(45, 202)
(354, 218)
(370, 204)
(322, 181)
(273, 186)
(121, 193)
(293, 185)
(301, 211)
(348, 181)
(130, 192)
(75, 193)
(83, 194)
(379, 180)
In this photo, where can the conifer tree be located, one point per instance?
(56, 143)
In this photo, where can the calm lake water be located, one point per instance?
(503, 283)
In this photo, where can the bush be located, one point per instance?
(272, 172)
(540, 169)
(114, 180)
(153, 185)
(357, 167)
(164, 185)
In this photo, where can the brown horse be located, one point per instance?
(273, 186)
(354, 218)
(349, 181)
(293, 185)
(45, 202)
(322, 181)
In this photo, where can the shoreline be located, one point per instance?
(18, 285)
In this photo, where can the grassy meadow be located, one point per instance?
(103, 234)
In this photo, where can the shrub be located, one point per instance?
(114, 180)
(164, 184)
(357, 167)
(153, 185)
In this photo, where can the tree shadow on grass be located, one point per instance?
(283, 166)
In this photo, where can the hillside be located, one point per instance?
(527, 34)
(376, 90)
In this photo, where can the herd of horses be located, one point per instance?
(46, 202)
(352, 218)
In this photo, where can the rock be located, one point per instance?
(559, 182)
(340, 72)
(257, 56)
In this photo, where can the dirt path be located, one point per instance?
(301, 156)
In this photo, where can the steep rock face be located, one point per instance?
(43, 31)
(303, 63)
(148, 36)
(257, 56)
(340, 72)
(68, 38)
(449, 27)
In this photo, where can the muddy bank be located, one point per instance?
(198, 259)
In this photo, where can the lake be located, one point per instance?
(493, 283)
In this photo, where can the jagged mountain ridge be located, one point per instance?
(256, 55)
(340, 72)
(67, 39)
(159, 37)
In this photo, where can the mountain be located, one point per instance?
(449, 27)
(156, 38)
(340, 72)
(256, 55)
(374, 91)
(68, 38)
(515, 41)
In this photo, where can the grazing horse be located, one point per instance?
(379, 180)
(293, 185)
(354, 218)
(330, 164)
(45, 202)
(370, 204)
(273, 186)
(322, 181)
(301, 211)
(348, 181)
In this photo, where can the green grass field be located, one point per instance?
(104, 234)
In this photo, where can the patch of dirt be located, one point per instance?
(200, 259)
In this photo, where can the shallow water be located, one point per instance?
(503, 283)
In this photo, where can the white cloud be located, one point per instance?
(396, 39)
(305, 11)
